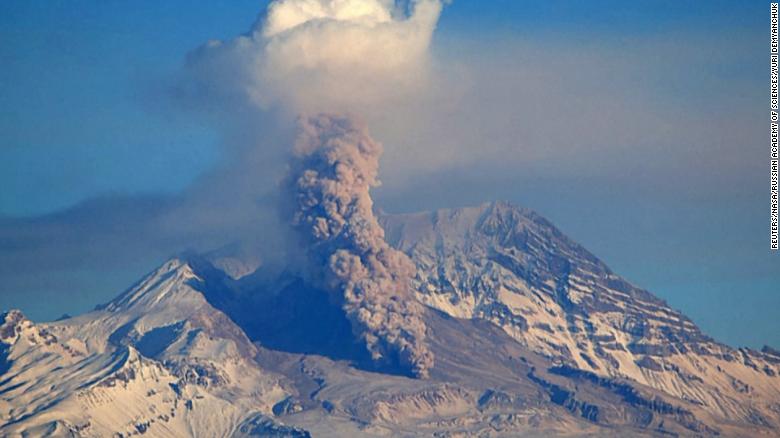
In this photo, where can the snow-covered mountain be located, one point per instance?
(532, 335)
(512, 267)
(158, 358)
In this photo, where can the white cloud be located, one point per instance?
(325, 55)
(287, 14)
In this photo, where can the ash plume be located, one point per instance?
(335, 164)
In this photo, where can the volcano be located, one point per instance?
(482, 321)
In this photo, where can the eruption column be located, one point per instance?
(335, 164)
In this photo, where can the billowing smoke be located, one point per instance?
(333, 56)
(323, 55)
(335, 164)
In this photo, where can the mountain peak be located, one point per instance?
(510, 266)
(170, 281)
(532, 333)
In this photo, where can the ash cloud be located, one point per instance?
(335, 164)
(325, 56)
(477, 114)
(300, 56)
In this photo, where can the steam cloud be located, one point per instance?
(335, 165)
(323, 55)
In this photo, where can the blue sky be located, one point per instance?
(86, 118)
(75, 78)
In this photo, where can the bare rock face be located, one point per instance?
(262, 426)
(12, 326)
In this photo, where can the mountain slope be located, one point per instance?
(510, 266)
(532, 334)
(158, 358)
(483, 384)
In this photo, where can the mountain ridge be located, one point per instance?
(522, 320)
(513, 267)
